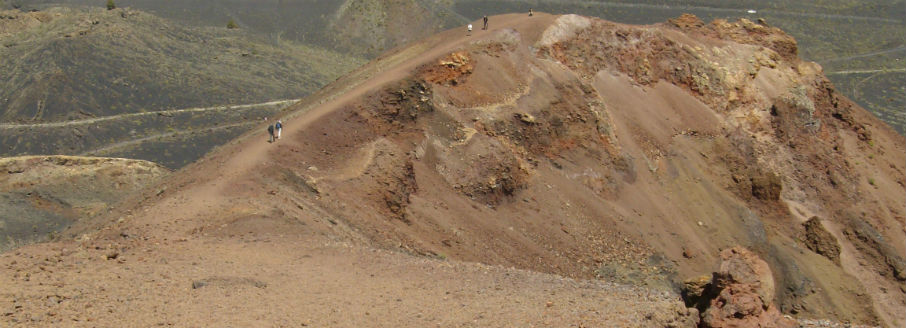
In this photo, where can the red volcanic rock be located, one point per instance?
(746, 293)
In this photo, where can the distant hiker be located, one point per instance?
(470, 29)
(530, 12)
(485, 23)
(279, 128)
(270, 131)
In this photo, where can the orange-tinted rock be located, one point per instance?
(746, 293)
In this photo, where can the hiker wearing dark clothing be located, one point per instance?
(485, 23)
(279, 128)
(270, 131)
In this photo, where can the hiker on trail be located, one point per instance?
(270, 131)
(470, 29)
(530, 12)
(279, 128)
(485, 23)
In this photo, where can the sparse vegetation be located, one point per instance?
(111, 5)
(232, 24)
(177, 73)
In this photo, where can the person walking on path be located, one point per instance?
(279, 128)
(270, 131)
(470, 29)
(485, 23)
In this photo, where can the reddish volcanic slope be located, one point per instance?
(552, 171)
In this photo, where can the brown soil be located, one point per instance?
(570, 150)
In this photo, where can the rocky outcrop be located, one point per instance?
(14, 21)
(551, 147)
(450, 70)
(766, 186)
(740, 294)
(743, 31)
(820, 241)
(879, 253)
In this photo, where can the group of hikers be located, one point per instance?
(274, 130)
(485, 21)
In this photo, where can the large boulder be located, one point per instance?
(741, 294)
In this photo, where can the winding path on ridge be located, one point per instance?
(129, 115)
(867, 71)
(868, 54)
(722, 10)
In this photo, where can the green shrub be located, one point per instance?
(111, 5)
(232, 24)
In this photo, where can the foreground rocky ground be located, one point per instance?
(279, 281)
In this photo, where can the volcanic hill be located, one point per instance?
(90, 81)
(108, 62)
(550, 171)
